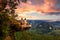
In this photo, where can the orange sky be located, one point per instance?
(38, 11)
(47, 6)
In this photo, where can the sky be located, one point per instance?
(39, 10)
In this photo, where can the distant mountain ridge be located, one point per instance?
(39, 21)
(34, 23)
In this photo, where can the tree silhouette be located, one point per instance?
(8, 25)
(11, 3)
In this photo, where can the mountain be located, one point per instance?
(34, 23)
(43, 26)
(46, 25)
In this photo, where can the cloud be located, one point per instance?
(39, 6)
(53, 13)
(39, 9)
(24, 1)
(57, 6)
(38, 16)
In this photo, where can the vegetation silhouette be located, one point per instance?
(10, 27)
(8, 24)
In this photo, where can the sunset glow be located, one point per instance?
(38, 6)
(47, 6)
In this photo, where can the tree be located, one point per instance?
(8, 25)
(11, 3)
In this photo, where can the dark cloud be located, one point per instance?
(44, 6)
(36, 2)
(24, 1)
(57, 5)
(53, 13)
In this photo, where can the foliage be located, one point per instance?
(29, 35)
(55, 33)
(44, 27)
(11, 4)
(8, 24)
